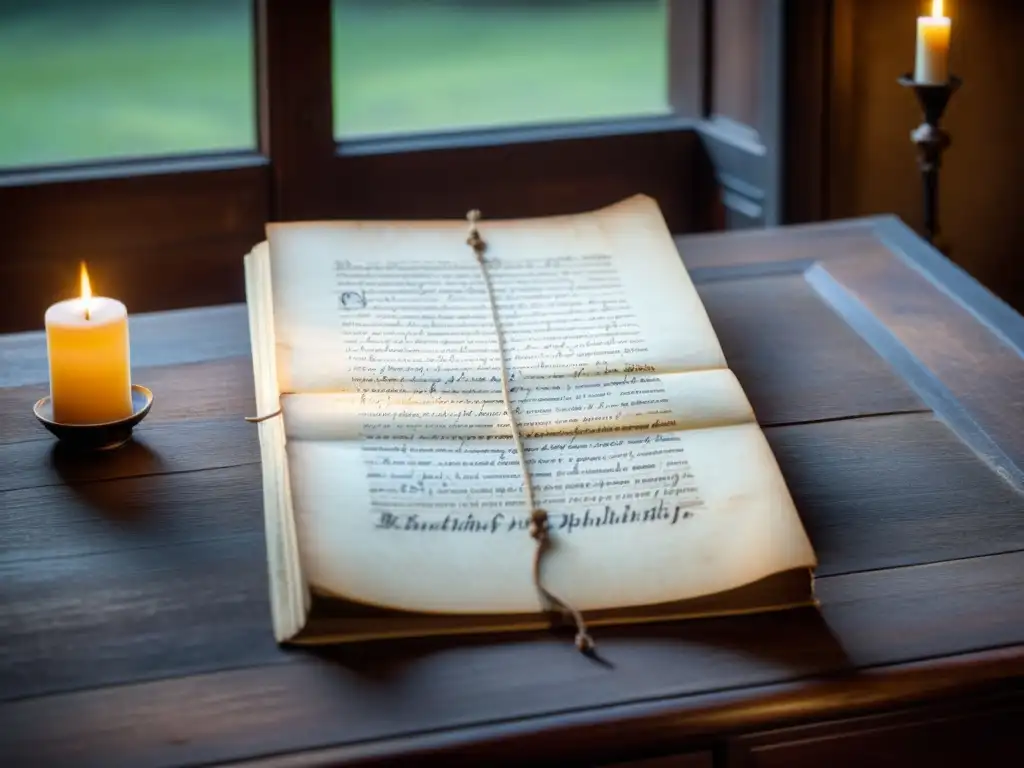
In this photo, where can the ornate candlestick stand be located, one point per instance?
(931, 141)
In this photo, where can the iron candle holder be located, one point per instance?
(88, 438)
(931, 141)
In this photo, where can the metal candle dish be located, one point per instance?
(96, 437)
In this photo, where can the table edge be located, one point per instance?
(675, 723)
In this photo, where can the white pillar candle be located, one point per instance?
(931, 64)
(87, 347)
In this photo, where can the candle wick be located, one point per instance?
(87, 313)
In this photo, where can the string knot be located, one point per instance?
(538, 517)
(474, 240)
(584, 642)
(538, 524)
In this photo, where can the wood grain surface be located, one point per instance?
(134, 620)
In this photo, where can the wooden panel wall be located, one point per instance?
(742, 63)
(720, 166)
(736, 54)
(872, 167)
(155, 241)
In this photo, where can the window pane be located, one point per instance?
(404, 66)
(82, 80)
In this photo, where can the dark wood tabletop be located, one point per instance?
(134, 619)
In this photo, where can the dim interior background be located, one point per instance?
(982, 177)
(111, 79)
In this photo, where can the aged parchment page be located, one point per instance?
(641, 443)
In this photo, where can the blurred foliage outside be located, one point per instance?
(82, 80)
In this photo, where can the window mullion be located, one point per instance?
(296, 104)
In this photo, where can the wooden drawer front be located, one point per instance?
(689, 760)
(990, 738)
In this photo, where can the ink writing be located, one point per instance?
(598, 430)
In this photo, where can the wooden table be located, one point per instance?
(135, 628)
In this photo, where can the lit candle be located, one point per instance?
(931, 64)
(87, 345)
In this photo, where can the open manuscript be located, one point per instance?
(393, 495)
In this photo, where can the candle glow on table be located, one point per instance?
(87, 346)
(931, 64)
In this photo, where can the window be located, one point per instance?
(110, 79)
(440, 65)
(383, 139)
(155, 138)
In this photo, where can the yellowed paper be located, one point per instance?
(405, 486)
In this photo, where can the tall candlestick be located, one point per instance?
(90, 371)
(931, 64)
(931, 141)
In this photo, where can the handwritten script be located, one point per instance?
(593, 412)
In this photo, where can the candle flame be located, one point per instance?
(86, 287)
(936, 9)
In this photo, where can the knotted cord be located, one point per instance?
(264, 417)
(539, 528)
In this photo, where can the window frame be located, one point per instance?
(170, 232)
(546, 169)
(157, 232)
